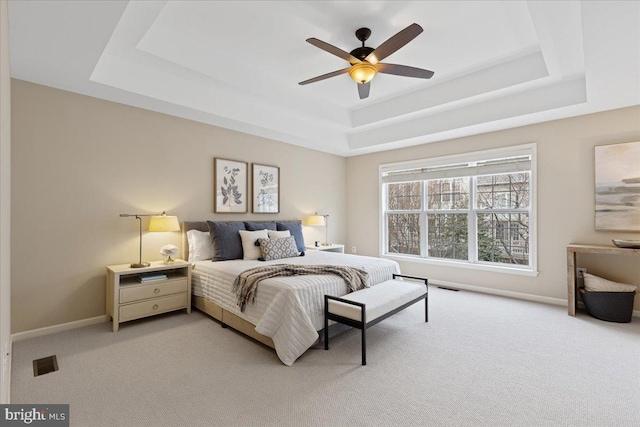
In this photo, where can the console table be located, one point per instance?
(572, 250)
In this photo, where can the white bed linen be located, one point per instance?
(289, 310)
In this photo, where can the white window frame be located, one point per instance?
(477, 156)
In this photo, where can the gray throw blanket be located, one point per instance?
(246, 284)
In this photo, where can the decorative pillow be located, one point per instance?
(225, 240)
(278, 248)
(278, 234)
(249, 248)
(199, 245)
(260, 225)
(598, 284)
(295, 228)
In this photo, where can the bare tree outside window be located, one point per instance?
(403, 229)
(404, 233)
(503, 236)
(447, 213)
(448, 236)
(448, 194)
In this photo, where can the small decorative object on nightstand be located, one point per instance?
(137, 292)
(168, 251)
(332, 247)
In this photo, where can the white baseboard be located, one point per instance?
(499, 292)
(19, 336)
(510, 294)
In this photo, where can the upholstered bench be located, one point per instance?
(366, 307)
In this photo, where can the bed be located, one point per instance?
(288, 312)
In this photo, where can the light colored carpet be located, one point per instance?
(480, 361)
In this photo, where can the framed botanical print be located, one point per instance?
(617, 173)
(265, 189)
(230, 183)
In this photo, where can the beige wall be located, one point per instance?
(565, 200)
(5, 198)
(78, 162)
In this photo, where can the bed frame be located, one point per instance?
(228, 318)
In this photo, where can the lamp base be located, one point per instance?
(140, 264)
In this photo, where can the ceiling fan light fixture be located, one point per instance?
(363, 72)
(365, 61)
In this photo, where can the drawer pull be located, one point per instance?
(156, 291)
(156, 306)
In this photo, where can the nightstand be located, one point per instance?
(129, 299)
(331, 248)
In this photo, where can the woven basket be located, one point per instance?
(609, 306)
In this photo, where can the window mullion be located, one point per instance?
(385, 219)
(424, 226)
(472, 221)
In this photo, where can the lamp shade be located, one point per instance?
(316, 220)
(164, 223)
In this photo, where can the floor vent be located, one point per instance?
(448, 289)
(45, 365)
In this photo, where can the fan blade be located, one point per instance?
(363, 90)
(325, 76)
(394, 43)
(334, 50)
(405, 71)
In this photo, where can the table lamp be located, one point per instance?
(320, 221)
(158, 222)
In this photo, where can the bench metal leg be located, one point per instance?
(326, 336)
(426, 308)
(326, 323)
(364, 345)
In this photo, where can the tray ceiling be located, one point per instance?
(498, 64)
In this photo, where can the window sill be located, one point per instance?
(456, 264)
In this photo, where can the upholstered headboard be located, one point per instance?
(196, 225)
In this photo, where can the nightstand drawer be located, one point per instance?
(154, 306)
(158, 289)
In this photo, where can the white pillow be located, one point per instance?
(249, 238)
(199, 245)
(598, 284)
(278, 234)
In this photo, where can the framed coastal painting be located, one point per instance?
(230, 183)
(617, 173)
(265, 189)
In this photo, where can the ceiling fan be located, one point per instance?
(365, 61)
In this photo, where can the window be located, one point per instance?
(475, 209)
